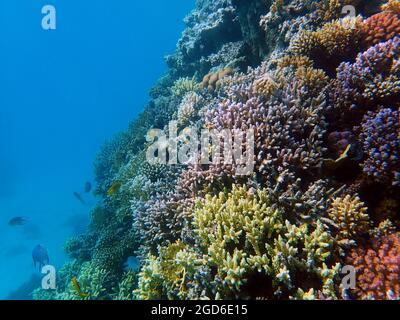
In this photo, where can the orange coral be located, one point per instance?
(380, 27)
(378, 268)
(212, 81)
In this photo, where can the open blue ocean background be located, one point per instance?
(62, 94)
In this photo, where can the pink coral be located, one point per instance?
(378, 268)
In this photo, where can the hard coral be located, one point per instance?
(374, 79)
(212, 81)
(380, 27)
(350, 218)
(381, 143)
(378, 268)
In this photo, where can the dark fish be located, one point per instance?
(79, 197)
(88, 187)
(40, 256)
(17, 222)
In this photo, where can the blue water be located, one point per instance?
(62, 93)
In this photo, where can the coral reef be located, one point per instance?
(317, 94)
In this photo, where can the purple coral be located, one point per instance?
(380, 137)
(374, 79)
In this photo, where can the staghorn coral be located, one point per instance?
(242, 234)
(380, 138)
(241, 237)
(378, 268)
(349, 217)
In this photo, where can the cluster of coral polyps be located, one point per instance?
(322, 94)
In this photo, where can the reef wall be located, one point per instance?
(320, 90)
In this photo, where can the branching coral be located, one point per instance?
(288, 131)
(242, 238)
(330, 44)
(374, 79)
(380, 28)
(378, 268)
(189, 108)
(349, 217)
(183, 86)
(381, 143)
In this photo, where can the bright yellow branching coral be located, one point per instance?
(349, 216)
(233, 230)
(240, 235)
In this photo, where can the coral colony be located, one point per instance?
(318, 95)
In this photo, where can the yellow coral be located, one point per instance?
(315, 80)
(334, 39)
(349, 216)
(294, 61)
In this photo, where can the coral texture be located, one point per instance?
(378, 268)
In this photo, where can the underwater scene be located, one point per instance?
(200, 150)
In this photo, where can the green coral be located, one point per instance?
(183, 86)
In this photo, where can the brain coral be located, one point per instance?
(381, 143)
(378, 268)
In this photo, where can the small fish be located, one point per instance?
(77, 288)
(40, 256)
(17, 222)
(114, 188)
(88, 187)
(79, 197)
(334, 164)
